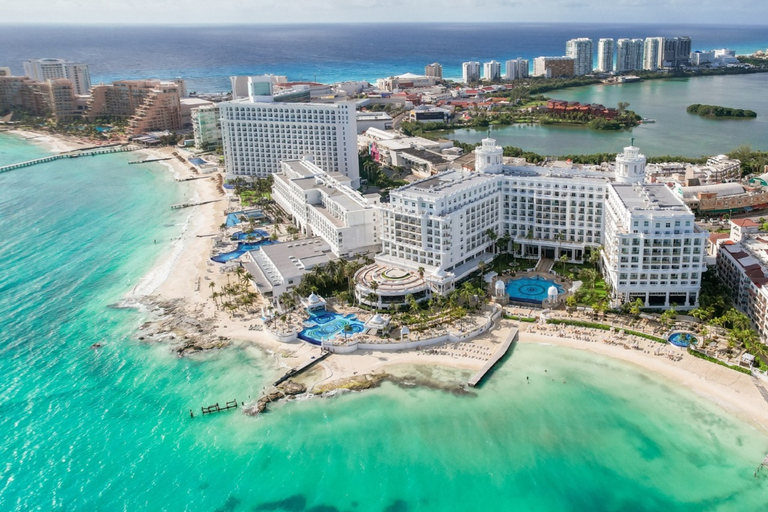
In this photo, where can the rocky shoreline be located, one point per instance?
(291, 389)
(174, 322)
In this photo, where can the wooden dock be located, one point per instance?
(103, 151)
(500, 353)
(307, 365)
(150, 160)
(211, 409)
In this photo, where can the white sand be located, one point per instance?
(735, 392)
(185, 274)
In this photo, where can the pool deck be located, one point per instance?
(500, 353)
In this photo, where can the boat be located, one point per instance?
(647, 120)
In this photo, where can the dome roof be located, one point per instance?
(500, 285)
(552, 291)
(377, 319)
(439, 272)
(314, 298)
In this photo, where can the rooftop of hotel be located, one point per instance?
(429, 156)
(292, 258)
(445, 183)
(556, 172)
(653, 197)
(752, 256)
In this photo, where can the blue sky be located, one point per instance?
(752, 12)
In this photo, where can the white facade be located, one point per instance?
(653, 53)
(652, 249)
(516, 69)
(52, 69)
(470, 72)
(440, 224)
(206, 126)
(581, 51)
(605, 55)
(492, 71)
(258, 136)
(325, 205)
(629, 55)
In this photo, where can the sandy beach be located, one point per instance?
(735, 392)
(183, 277)
(190, 274)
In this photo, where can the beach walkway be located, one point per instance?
(501, 352)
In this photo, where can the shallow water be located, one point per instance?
(110, 429)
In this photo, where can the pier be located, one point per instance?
(215, 408)
(307, 365)
(103, 151)
(190, 205)
(500, 353)
(149, 160)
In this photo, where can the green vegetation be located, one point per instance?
(715, 308)
(752, 162)
(696, 353)
(234, 296)
(253, 192)
(716, 112)
(374, 173)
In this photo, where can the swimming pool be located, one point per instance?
(326, 326)
(257, 233)
(531, 289)
(233, 219)
(242, 248)
(682, 339)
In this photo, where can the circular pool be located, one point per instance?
(682, 339)
(531, 289)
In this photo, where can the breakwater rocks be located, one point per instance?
(174, 323)
(290, 389)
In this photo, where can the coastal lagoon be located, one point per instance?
(675, 132)
(552, 429)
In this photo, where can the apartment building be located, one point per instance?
(605, 52)
(53, 69)
(516, 69)
(629, 55)
(470, 72)
(206, 126)
(553, 67)
(492, 71)
(742, 265)
(581, 51)
(434, 70)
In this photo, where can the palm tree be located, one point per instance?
(563, 260)
(420, 270)
(492, 236)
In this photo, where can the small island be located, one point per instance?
(716, 112)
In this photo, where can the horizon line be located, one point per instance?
(307, 23)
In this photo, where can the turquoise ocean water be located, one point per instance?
(108, 429)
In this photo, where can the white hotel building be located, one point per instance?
(325, 205)
(652, 249)
(259, 133)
